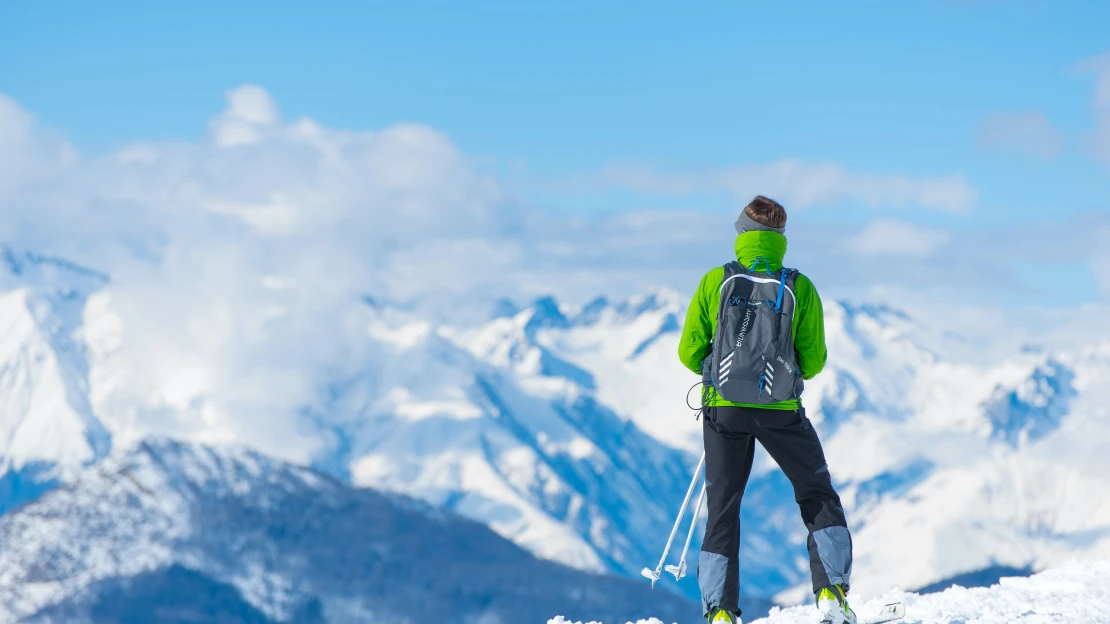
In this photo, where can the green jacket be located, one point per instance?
(701, 316)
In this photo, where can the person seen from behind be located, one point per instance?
(755, 332)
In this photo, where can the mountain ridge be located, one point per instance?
(287, 540)
(565, 429)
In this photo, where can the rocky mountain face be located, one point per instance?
(171, 532)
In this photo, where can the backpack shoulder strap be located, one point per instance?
(731, 269)
(787, 278)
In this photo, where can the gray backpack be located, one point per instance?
(753, 358)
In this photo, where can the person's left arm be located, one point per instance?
(697, 332)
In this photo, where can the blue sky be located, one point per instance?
(552, 98)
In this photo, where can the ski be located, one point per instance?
(890, 613)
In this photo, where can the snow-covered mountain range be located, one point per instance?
(565, 429)
(173, 532)
(947, 463)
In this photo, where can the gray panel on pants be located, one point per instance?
(711, 577)
(834, 547)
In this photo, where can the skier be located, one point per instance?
(755, 330)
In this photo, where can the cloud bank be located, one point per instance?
(796, 183)
(889, 237)
(239, 260)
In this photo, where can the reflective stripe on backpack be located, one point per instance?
(753, 359)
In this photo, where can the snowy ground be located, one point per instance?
(1078, 593)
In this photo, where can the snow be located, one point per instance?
(970, 454)
(565, 428)
(629, 349)
(493, 425)
(560, 620)
(242, 312)
(278, 537)
(45, 415)
(1076, 593)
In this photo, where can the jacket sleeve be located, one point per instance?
(809, 329)
(697, 332)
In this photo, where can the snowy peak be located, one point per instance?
(548, 312)
(47, 274)
(619, 353)
(513, 344)
(544, 313)
(492, 424)
(45, 416)
(1035, 407)
(667, 302)
(48, 430)
(638, 322)
(879, 332)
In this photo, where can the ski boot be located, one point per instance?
(833, 605)
(720, 616)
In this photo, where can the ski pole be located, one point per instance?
(655, 574)
(679, 570)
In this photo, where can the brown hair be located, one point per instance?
(766, 211)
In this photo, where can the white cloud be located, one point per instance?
(277, 217)
(229, 255)
(26, 154)
(1023, 133)
(889, 237)
(249, 113)
(797, 184)
(237, 260)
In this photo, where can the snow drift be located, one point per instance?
(1076, 593)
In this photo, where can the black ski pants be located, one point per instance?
(730, 435)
